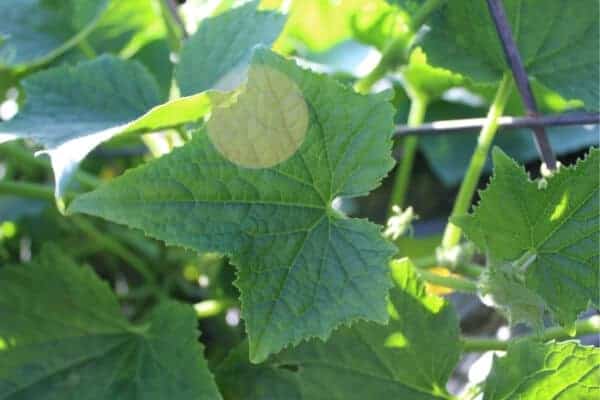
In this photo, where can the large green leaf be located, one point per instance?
(258, 185)
(71, 110)
(217, 55)
(544, 239)
(410, 358)
(62, 336)
(559, 41)
(449, 155)
(533, 371)
(34, 32)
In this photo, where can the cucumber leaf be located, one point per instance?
(258, 184)
(62, 336)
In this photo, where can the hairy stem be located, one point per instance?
(462, 203)
(418, 108)
(585, 327)
(469, 270)
(28, 190)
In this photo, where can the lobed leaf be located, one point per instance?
(547, 237)
(296, 141)
(62, 336)
(412, 357)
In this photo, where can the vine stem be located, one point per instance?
(28, 190)
(469, 184)
(456, 283)
(418, 109)
(586, 327)
(395, 54)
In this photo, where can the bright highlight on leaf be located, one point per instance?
(544, 241)
(304, 269)
(72, 110)
(559, 42)
(532, 371)
(62, 336)
(34, 32)
(267, 123)
(410, 358)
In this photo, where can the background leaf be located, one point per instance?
(34, 32)
(559, 50)
(62, 336)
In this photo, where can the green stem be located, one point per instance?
(114, 247)
(211, 308)
(418, 109)
(458, 284)
(586, 327)
(87, 49)
(468, 270)
(469, 185)
(424, 12)
(175, 28)
(396, 53)
(26, 189)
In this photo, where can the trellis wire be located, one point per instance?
(506, 123)
(516, 65)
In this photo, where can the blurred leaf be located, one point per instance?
(33, 32)
(62, 336)
(217, 55)
(559, 42)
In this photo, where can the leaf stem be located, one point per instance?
(462, 203)
(116, 248)
(585, 327)
(26, 189)
(456, 283)
(175, 27)
(418, 109)
(468, 270)
(424, 12)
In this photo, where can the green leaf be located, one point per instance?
(33, 32)
(546, 231)
(410, 358)
(71, 110)
(320, 25)
(62, 336)
(449, 155)
(532, 370)
(216, 56)
(258, 185)
(559, 41)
